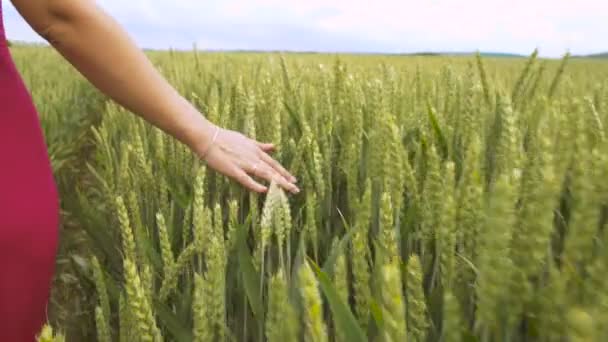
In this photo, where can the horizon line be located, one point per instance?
(428, 53)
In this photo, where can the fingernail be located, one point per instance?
(294, 179)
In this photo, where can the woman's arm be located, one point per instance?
(96, 45)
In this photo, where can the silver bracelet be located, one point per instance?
(217, 132)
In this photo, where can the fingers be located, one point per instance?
(266, 147)
(248, 182)
(245, 159)
(278, 167)
(265, 171)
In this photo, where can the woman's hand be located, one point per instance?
(241, 158)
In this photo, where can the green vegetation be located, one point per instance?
(444, 199)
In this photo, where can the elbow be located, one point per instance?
(53, 32)
(63, 18)
(70, 10)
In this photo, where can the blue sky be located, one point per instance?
(358, 26)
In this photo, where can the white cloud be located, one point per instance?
(362, 25)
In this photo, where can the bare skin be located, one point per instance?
(99, 48)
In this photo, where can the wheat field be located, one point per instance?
(444, 199)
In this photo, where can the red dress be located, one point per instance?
(29, 211)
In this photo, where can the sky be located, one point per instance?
(384, 26)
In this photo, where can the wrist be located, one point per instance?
(199, 135)
(204, 150)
